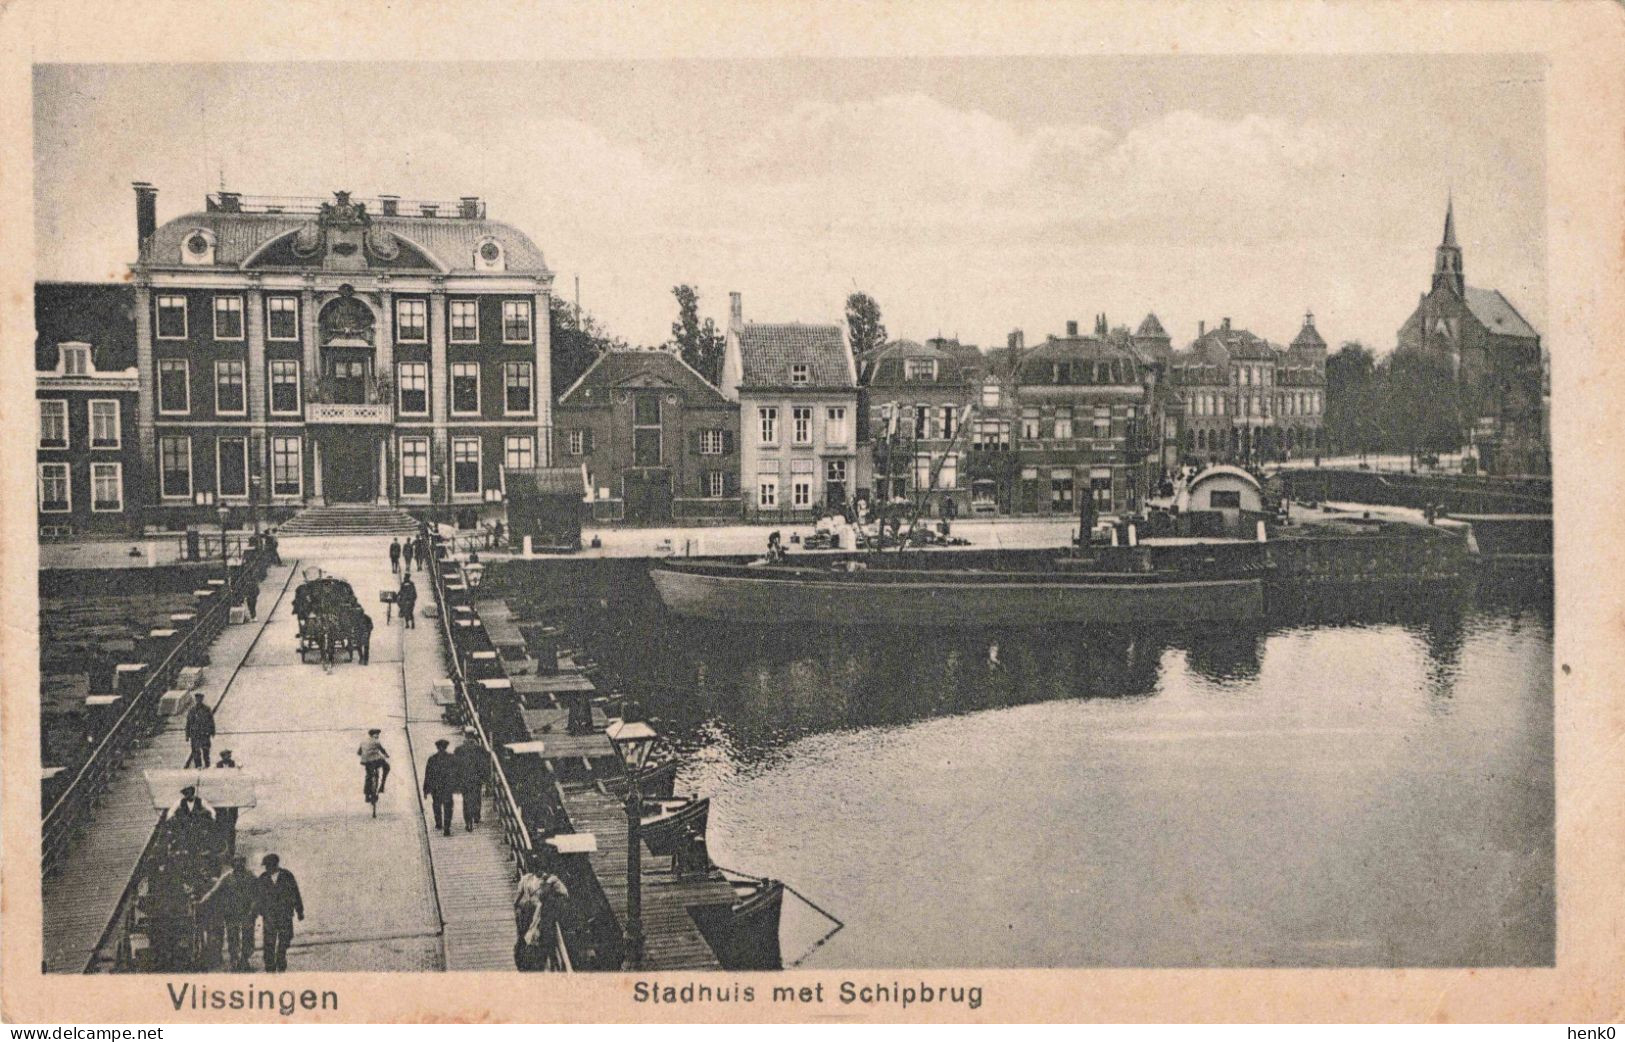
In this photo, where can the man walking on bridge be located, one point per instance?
(232, 901)
(279, 902)
(199, 732)
(440, 784)
(407, 598)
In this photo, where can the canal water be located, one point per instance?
(1371, 789)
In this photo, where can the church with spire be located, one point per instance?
(1494, 352)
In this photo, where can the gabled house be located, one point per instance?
(659, 443)
(797, 389)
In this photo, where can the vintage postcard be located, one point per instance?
(795, 512)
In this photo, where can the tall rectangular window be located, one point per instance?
(171, 316)
(1103, 421)
(711, 443)
(174, 386)
(75, 360)
(284, 386)
(1029, 423)
(282, 318)
(414, 466)
(465, 465)
(516, 321)
(106, 488)
(228, 317)
(948, 473)
(287, 466)
(646, 449)
(516, 387)
(716, 484)
(231, 467)
(465, 387)
(767, 485)
(465, 321)
(104, 423)
(768, 418)
(836, 431)
(53, 423)
(950, 421)
(413, 381)
(55, 491)
(578, 442)
(411, 321)
(519, 451)
(802, 418)
(801, 491)
(175, 467)
(229, 396)
(922, 422)
(990, 395)
(1063, 422)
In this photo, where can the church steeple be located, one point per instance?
(1447, 258)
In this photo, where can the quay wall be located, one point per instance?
(1458, 494)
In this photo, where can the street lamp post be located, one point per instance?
(225, 559)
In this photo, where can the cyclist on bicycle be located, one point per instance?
(375, 761)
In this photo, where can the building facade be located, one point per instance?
(1496, 355)
(918, 398)
(85, 386)
(797, 390)
(659, 443)
(301, 351)
(1082, 411)
(1245, 400)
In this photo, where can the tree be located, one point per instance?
(1421, 402)
(578, 340)
(863, 324)
(699, 343)
(1350, 385)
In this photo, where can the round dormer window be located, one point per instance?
(197, 245)
(490, 252)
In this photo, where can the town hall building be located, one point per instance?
(292, 352)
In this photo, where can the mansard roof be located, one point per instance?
(956, 362)
(264, 237)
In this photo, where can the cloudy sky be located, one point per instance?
(969, 196)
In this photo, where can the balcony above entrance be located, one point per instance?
(343, 412)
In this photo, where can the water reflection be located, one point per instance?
(1362, 784)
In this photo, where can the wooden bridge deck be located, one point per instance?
(474, 872)
(672, 940)
(83, 894)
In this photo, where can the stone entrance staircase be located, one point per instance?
(347, 519)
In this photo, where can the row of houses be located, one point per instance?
(270, 353)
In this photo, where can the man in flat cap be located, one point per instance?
(471, 770)
(440, 784)
(279, 902)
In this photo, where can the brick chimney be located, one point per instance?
(1017, 340)
(1072, 327)
(1227, 323)
(1201, 328)
(736, 311)
(146, 213)
(391, 205)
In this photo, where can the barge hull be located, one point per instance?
(765, 600)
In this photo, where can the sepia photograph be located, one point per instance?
(893, 517)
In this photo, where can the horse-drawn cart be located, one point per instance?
(328, 615)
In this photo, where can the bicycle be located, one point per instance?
(372, 783)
